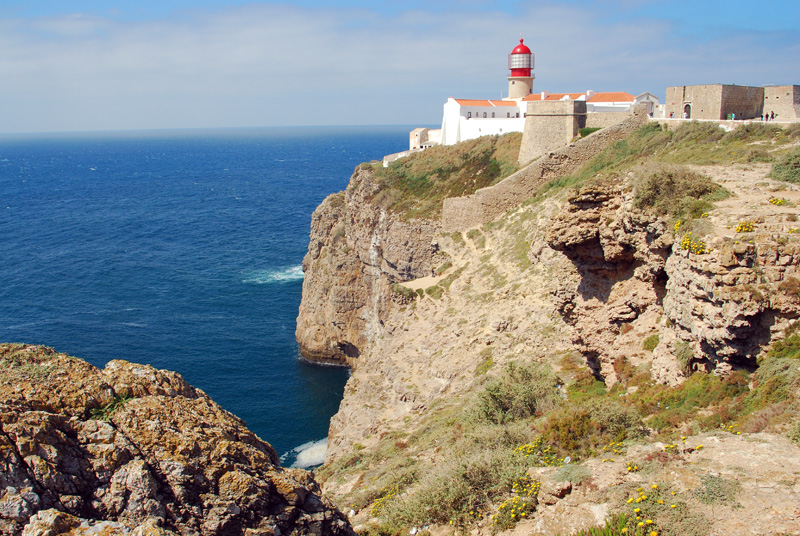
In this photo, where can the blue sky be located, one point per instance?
(109, 65)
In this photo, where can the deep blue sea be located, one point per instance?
(180, 249)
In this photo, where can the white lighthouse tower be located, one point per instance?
(520, 81)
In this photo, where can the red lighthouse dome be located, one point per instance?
(520, 61)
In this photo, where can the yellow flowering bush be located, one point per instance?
(388, 494)
(746, 227)
(517, 507)
(647, 505)
(692, 244)
(542, 455)
(778, 201)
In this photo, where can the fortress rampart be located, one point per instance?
(485, 205)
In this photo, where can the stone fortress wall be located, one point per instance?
(721, 101)
(550, 125)
(487, 204)
(783, 100)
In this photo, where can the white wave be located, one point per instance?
(260, 277)
(309, 454)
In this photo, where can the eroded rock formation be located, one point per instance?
(619, 253)
(134, 450)
(357, 250)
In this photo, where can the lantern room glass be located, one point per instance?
(520, 61)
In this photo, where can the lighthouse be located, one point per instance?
(520, 81)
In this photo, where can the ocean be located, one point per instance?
(180, 249)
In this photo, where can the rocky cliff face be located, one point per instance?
(619, 254)
(357, 250)
(134, 450)
(583, 273)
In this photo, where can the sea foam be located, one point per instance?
(280, 275)
(309, 454)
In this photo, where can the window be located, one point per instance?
(492, 115)
(508, 114)
(484, 115)
(469, 114)
(517, 114)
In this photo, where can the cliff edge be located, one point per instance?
(648, 295)
(134, 450)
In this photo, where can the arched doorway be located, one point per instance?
(687, 111)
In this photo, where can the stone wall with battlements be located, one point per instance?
(550, 125)
(487, 204)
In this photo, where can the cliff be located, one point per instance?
(134, 450)
(629, 300)
(357, 250)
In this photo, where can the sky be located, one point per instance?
(77, 65)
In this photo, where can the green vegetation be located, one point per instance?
(692, 143)
(444, 267)
(437, 291)
(718, 490)
(583, 132)
(582, 426)
(416, 185)
(405, 292)
(522, 391)
(787, 168)
(486, 361)
(104, 413)
(517, 418)
(650, 343)
(675, 191)
(465, 459)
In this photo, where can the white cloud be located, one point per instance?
(269, 64)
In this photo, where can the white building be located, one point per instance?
(466, 119)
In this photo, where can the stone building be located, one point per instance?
(466, 119)
(728, 101)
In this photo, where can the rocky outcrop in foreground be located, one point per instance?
(134, 450)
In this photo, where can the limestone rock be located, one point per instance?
(135, 450)
(357, 250)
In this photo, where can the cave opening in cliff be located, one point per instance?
(348, 349)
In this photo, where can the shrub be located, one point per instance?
(462, 484)
(788, 347)
(794, 433)
(583, 427)
(523, 390)
(776, 380)
(675, 191)
(416, 185)
(787, 168)
(486, 361)
(684, 355)
(405, 292)
(717, 490)
(574, 473)
(650, 343)
(444, 267)
(434, 292)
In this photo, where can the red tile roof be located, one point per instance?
(612, 96)
(606, 96)
(487, 103)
